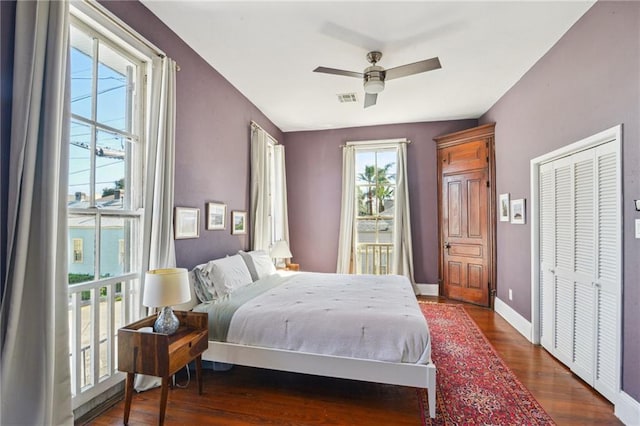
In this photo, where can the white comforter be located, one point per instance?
(357, 316)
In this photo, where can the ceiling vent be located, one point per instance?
(347, 97)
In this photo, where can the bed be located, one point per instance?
(344, 326)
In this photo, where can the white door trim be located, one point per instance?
(613, 134)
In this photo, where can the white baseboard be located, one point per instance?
(427, 289)
(516, 320)
(627, 409)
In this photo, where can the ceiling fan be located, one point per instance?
(375, 76)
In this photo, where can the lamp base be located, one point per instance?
(167, 322)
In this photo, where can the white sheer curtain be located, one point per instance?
(159, 248)
(35, 385)
(281, 217)
(260, 218)
(347, 212)
(269, 219)
(402, 259)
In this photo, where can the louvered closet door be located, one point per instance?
(562, 291)
(583, 268)
(547, 253)
(607, 284)
(579, 264)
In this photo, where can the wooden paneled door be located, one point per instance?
(466, 199)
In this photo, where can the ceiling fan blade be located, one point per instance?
(414, 68)
(339, 72)
(370, 99)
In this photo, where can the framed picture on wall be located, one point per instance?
(503, 207)
(216, 216)
(186, 222)
(238, 222)
(518, 212)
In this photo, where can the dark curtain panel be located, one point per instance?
(7, 27)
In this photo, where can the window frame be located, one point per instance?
(96, 21)
(378, 249)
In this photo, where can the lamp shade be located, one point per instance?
(166, 287)
(280, 250)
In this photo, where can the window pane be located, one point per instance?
(384, 232)
(366, 200)
(385, 197)
(386, 163)
(81, 228)
(104, 331)
(119, 313)
(79, 165)
(110, 170)
(114, 101)
(81, 73)
(86, 341)
(115, 246)
(365, 167)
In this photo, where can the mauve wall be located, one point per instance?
(589, 81)
(212, 137)
(314, 188)
(7, 24)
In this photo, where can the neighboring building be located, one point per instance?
(82, 238)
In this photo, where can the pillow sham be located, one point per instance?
(228, 274)
(202, 283)
(259, 263)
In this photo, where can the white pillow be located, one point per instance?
(228, 274)
(259, 264)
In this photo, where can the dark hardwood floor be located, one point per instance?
(248, 396)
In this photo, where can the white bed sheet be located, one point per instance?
(357, 316)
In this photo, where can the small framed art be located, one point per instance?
(238, 222)
(216, 216)
(503, 207)
(186, 222)
(518, 211)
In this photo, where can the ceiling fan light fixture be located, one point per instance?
(373, 86)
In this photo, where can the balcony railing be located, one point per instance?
(97, 309)
(374, 258)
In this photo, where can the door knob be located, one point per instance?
(447, 245)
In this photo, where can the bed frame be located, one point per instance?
(414, 375)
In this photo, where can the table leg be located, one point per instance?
(128, 395)
(199, 373)
(163, 399)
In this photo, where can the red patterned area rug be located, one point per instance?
(475, 386)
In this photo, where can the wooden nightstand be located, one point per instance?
(161, 355)
(290, 267)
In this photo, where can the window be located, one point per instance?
(277, 195)
(269, 220)
(77, 250)
(106, 162)
(375, 186)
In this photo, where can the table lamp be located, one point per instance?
(162, 289)
(280, 250)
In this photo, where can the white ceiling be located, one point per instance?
(268, 50)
